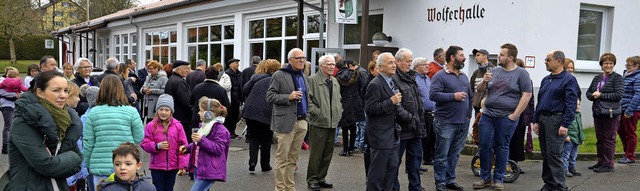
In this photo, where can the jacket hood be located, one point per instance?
(113, 179)
(290, 69)
(346, 76)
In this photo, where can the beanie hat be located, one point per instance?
(165, 100)
(91, 94)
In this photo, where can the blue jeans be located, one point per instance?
(412, 165)
(450, 138)
(494, 131)
(164, 180)
(361, 127)
(337, 134)
(569, 154)
(201, 184)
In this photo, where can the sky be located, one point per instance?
(142, 2)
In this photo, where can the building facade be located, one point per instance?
(59, 14)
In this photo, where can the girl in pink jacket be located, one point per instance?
(163, 138)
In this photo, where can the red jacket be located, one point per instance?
(433, 69)
(165, 159)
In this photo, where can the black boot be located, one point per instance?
(574, 172)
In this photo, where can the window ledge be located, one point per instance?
(587, 66)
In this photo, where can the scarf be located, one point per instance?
(206, 128)
(60, 116)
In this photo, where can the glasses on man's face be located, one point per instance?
(299, 58)
(548, 60)
(84, 67)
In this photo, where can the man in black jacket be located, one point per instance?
(210, 88)
(236, 91)
(248, 72)
(197, 76)
(178, 88)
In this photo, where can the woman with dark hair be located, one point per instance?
(352, 89)
(258, 118)
(42, 147)
(32, 71)
(608, 87)
(123, 71)
(111, 122)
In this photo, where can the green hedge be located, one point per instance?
(30, 47)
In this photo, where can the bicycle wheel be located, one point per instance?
(475, 165)
(513, 172)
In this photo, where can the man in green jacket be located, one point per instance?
(325, 111)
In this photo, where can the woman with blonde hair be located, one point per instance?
(152, 88)
(111, 122)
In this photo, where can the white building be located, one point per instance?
(219, 30)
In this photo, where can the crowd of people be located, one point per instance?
(71, 130)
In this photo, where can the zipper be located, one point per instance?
(167, 151)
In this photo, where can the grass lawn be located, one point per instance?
(589, 145)
(22, 65)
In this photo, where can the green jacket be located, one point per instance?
(324, 112)
(30, 165)
(576, 133)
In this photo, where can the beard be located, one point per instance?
(458, 64)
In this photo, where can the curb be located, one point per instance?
(471, 150)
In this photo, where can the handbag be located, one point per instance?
(609, 108)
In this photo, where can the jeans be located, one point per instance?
(337, 134)
(412, 165)
(569, 155)
(494, 131)
(450, 138)
(7, 115)
(164, 180)
(361, 127)
(201, 184)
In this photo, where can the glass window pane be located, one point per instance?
(191, 51)
(216, 54)
(313, 24)
(257, 49)
(292, 25)
(274, 50)
(164, 37)
(135, 58)
(125, 39)
(156, 38)
(134, 49)
(589, 35)
(147, 55)
(288, 45)
(134, 38)
(125, 57)
(203, 34)
(215, 33)
(228, 53)
(173, 54)
(149, 37)
(174, 36)
(156, 53)
(125, 49)
(228, 32)
(107, 41)
(117, 50)
(203, 50)
(116, 39)
(274, 27)
(256, 29)
(164, 54)
(311, 44)
(353, 36)
(192, 35)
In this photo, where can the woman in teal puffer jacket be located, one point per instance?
(43, 139)
(111, 122)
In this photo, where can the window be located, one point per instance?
(57, 13)
(74, 15)
(212, 43)
(352, 31)
(65, 4)
(594, 35)
(58, 23)
(272, 38)
(161, 46)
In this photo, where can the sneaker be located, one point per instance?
(344, 153)
(252, 167)
(305, 146)
(567, 174)
(498, 186)
(594, 166)
(603, 169)
(482, 184)
(626, 160)
(574, 172)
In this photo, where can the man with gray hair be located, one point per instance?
(249, 71)
(197, 76)
(556, 109)
(111, 68)
(420, 65)
(411, 119)
(325, 110)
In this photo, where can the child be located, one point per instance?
(74, 95)
(210, 145)
(76, 181)
(12, 82)
(126, 163)
(91, 93)
(163, 136)
(32, 71)
(575, 137)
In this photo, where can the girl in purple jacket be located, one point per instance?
(163, 138)
(210, 145)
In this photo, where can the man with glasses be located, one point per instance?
(556, 109)
(83, 76)
(288, 95)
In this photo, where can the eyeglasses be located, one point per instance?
(299, 58)
(84, 67)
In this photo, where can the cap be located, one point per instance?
(179, 63)
(233, 60)
(483, 51)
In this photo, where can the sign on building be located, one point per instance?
(48, 44)
(346, 11)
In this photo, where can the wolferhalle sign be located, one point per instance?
(450, 14)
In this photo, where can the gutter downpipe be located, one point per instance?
(139, 37)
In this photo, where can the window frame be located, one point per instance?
(591, 66)
(224, 41)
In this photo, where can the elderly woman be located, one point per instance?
(152, 88)
(631, 110)
(83, 76)
(258, 117)
(111, 122)
(607, 87)
(42, 149)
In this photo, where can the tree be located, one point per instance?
(17, 19)
(99, 8)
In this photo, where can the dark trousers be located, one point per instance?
(186, 125)
(349, 137)
(551, 147)
(516, 145)
(412, 165)
(232, 117)
(429, 142)
(164, 180)
(628, 137)
(606, 138)
(260, 138)
(7, 115)
(320, 153)
(383, 169)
